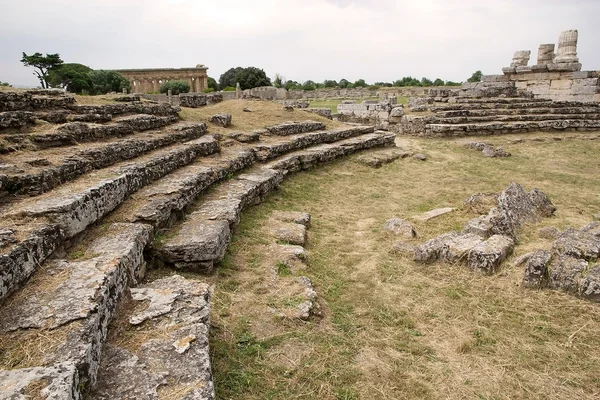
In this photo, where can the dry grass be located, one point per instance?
(263, 113)
(394, 329)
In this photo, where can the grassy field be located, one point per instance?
(393, 329)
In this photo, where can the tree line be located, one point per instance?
(252, 77)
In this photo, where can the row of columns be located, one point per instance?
(146, 85)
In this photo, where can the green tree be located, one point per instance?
(42, 65)
(291, 85)
(252, 77)
(426, 81)
(309, 85)
(104, 81)
(5, 84)
(382, 84)
(360, 83)
(438, 82)
(75, 77)
(476, 77)
(450, 83)
(344, 83)
(330, 83)
(176, 87)
(278, 81)
(228, 77)
(212, 84)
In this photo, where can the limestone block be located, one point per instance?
(508, 70)
(539, 68)
(590, 285)
(564, 67)
(523, 69)
(401, 227)
(582, 74)
(521, 85)
(536, 269)
(434, 213)
(561, 84)
(489, 255)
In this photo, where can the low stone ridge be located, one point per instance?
(573, 264)
(488, 150)
(486, 241)
(377, 159)
(176, 359)
(290, 227)
(195, 100)
(400, 227)
(76, 298)
(323, 112)
(55, 382)
(294, 128)
(223, 120)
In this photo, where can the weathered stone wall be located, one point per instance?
(570, 85)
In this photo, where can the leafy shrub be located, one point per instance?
(104, 81)
(229, 89)
(177, 87)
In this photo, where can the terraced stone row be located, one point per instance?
(35, 174)
(502, 115)
(71, 297)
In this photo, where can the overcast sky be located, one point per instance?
(377, 40)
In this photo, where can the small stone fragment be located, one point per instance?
(489, 255)
(183, 344)
(590, 284)
(434, 213)
(401, 227)
(290, 232)
(223, 120)
(522, 259)
(401, 247)
(297, 217)
(420, 156)
(548, 232)
(536, 269)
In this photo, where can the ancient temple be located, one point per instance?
(150, 79)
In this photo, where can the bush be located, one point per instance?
(177, 87)
(75, 77)
(476, 77)
(208, 90)
(212, 83)
(5, 84)
(229, 89)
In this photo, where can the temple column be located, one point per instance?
(521, 58)
(567, 47)
(545, 54)
(155, 85)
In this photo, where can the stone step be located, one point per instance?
(160, 340)
(36, 226)
(16, 119)
(268, 151)
(517, 111)
(494, 128)
(38, 172)
(34, 100)
(514, 118)
(164, 201)
(528, 105)
(308, 158)
(161, 109)
(201, 239)
(75, 132)
(62, 315)
(293, 128)
(499, 100)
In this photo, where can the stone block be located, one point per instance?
(488, 256)
(523, 69)
(582, 74)
(521, 85)
(564, 67)
(561, 84)
(539, 68)
(508, 70)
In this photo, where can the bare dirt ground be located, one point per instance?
(394, 329)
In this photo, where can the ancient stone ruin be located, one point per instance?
(150, 79)
(94, 195)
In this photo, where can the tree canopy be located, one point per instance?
(248, 78)
(177, 87)
(476, 77)
(75, 77)
(104, 81)
(42, 65)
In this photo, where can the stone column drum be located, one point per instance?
(521, 58)
(567, 47)
(545, 54)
